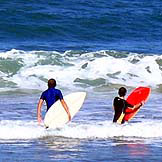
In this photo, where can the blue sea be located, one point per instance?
(91, 46)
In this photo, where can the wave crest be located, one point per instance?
(31, 69)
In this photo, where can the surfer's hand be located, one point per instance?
(142, 103)
(69, 116)
(39, 119)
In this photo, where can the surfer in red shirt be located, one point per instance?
(120, 104)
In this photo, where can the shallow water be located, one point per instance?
(90, 136)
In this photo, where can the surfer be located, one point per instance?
(120, 104)
(51, 95)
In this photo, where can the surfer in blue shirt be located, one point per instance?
(51, 95)
(120, 104)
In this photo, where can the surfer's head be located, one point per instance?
(122, 92)
(51, 83)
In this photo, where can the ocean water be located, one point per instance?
(92, 46)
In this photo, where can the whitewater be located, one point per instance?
(30, 69)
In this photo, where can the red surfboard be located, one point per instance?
(136, 96)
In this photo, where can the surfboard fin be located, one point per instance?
(46, 127)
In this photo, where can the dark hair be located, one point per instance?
(51, 83)
(122, 91)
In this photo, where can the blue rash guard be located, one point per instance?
(51, 95)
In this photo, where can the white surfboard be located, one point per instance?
(56, 116)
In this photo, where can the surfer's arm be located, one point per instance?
(138, 105)
(39, 106)
(66, 108)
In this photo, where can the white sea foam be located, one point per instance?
(144, 71)
(148, 129)
(30, 130)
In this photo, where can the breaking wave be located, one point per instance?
(14, 130)
(78, 69)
